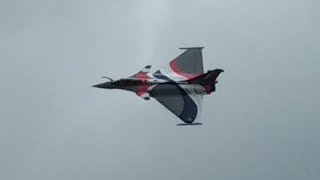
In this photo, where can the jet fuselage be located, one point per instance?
(179, 86)
(166, 88)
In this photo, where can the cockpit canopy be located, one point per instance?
(129, 81)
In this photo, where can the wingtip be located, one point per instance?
(184, 48)
(191, 124)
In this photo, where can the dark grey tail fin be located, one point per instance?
(211, 76)
(207, 78)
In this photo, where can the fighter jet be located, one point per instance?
(179, 86)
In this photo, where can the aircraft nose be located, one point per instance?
(106, 85)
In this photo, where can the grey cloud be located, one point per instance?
(262, 123)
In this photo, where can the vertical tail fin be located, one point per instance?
(209, 77)
(212, 75)
(207, 80)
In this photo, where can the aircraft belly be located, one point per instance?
(189, 89)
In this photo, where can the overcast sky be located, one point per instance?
(262, 123)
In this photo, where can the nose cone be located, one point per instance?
(106, 85)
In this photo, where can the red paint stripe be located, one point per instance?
(142, 89)
(142, 75)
